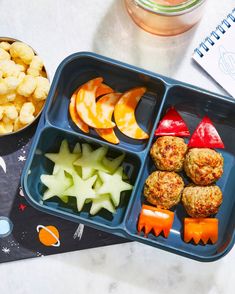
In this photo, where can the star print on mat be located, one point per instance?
(6, 250)
(21, 158)
(22, 207)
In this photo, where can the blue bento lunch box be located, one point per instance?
(191, 102)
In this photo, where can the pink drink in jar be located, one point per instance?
(165, 17)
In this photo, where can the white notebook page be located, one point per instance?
(219, 59)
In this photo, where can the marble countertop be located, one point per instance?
(57, 28)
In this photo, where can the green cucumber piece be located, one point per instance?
(56, 184)
(81, 190)
(125, 176)
(77, 149)
(113, 185)
(63, 159)
(102, 202)
(91, 160)
(65, 199)
(87, 172)
(98, 183)
(113, 164)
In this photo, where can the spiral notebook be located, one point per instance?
(217, 54)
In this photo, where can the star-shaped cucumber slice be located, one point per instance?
(91, 160)
(113, 185)
(57, 184)
(63, 159)
(103, 201)
(82, 190)
(113, 164)
(77, 149)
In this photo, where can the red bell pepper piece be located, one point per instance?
(156, 219)
(206, 136)
(172, 124)
(197, 229)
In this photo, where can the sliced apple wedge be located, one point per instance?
(124, 114)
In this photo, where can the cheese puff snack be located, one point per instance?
(23, 86)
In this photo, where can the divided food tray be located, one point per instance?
(191, 102)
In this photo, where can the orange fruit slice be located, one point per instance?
(75, 117)
(124, 114)
(108, 135)
(86, 105)
(105, 105)
(102, 90)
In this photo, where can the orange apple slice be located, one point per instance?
(86, 106)
(124, 114)
(105, 106)
(102, 90)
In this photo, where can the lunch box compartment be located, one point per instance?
(83, 68)
(194, 105)
(49, 142)
(216, 109)
(175, 238)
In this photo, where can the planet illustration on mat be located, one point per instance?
(48, 235)
(6, 226)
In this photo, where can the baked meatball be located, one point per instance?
(202, 201)
(163, 189)
(168, 153)
(203, 166)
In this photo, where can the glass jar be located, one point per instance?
(165, 17)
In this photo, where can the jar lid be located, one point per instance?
(169, 7)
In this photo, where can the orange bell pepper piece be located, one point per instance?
(156, 219)
(197, 229)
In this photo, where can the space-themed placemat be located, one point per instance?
(26, 232)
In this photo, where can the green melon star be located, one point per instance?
(103, 201)
(56, 184)
(63, 159)
(113, 164)
(77, 149)
(113, 185)
(82, 190)
(91, 160)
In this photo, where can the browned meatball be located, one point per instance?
(168, 153)
(163, 189)
(202, 201)
(204, 166)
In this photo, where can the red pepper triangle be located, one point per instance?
(206, 136)
(172, 124)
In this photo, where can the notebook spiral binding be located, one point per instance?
(216, 35)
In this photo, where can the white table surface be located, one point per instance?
(57, 28)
